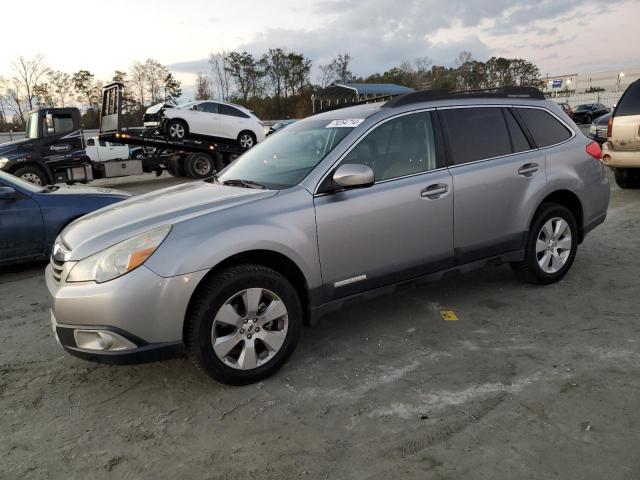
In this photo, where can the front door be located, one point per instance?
(21, 227)
(399, 228)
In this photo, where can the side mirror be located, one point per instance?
(354, 175)
(48, 122)
(8, 193)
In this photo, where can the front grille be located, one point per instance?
(56, 269)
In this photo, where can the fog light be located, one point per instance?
(101, 340)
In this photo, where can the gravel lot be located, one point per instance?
(530, 382)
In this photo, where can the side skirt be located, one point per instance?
(319, 311)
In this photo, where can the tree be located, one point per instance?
(87, 88)
(221, 74)
(337, 70)
(203, 87)
(172, 88)
(246, 74)
(137, 80)
(61, 85)
(21, 90)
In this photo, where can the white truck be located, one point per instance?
(99, 150)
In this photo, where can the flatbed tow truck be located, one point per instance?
(53, 150)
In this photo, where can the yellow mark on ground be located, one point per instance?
(448, 315)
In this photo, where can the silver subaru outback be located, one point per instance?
(342, 204)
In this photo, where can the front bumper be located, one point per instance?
(620, 158)
(143, 310)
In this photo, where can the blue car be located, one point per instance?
(32, 216)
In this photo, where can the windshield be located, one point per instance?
(581, 108)
(8, 180)
(283, 160)
(187, 105)
(32, 126)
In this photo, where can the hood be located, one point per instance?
(157, 107)
(14, 148)
(85, 190)
(96, 231)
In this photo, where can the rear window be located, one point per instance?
(629, 104)
(234, 112)
(544, 127)
(475, 133)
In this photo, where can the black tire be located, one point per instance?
(30, 173)
(177, 126)
(627, 177)
(211, 297)
(199, 165)
(138, 156)
(243, 139)
(588, 119)
(529, 270)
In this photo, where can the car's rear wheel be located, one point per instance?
(551, 245)
(200, 165)
(246, 140)
(31, 174)
(588, 119)
(627, 177)
(177, 129)
(243, 324)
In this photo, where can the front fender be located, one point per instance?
(283, 223)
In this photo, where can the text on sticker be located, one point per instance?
(345, 123)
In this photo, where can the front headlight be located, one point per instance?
(3, 161)
(119, 259)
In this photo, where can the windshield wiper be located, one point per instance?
(236, 182)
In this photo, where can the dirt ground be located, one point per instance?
(530, 382)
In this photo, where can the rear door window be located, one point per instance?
(476, 133)
(544, 127)
(229, 110)
(629, 104)
(519, 141)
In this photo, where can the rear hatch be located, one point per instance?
(625, 130)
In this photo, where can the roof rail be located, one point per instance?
(497, 92)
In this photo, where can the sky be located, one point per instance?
(560, 36)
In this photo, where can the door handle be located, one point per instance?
(434, 191)
(528, 169)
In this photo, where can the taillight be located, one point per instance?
(609, 127)
(594, 150)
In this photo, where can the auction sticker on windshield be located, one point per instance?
(345, 123)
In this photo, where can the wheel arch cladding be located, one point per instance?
(267, 258)
(571, 201)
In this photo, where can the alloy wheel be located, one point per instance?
(250, 328)
(553, 245)
(246, 141)
(176, 130)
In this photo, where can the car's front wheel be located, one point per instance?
(177, 129)
(243, 324)
(246, 140)
(551, 245)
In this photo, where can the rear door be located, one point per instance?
(625, 134)
(496, 175)
(233, 121)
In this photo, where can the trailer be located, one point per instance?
(191, 157)
(54, 149)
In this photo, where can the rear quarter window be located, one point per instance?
(629, 103)
(544, 127)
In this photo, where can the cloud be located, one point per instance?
(382, 33)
